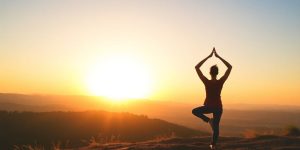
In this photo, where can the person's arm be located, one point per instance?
(199, 72)
(229, 67)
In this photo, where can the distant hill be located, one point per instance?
(236, 118)
(77, 102)
(71, 129)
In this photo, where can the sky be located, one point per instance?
(48, 46)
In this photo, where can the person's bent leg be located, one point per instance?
(200, 111)
(216, 121)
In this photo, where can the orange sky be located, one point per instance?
(48, 47)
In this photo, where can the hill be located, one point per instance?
(234, 121)
(75, 129)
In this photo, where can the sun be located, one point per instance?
(119, 78)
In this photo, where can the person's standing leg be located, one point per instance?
(200, 111)
(216, 121)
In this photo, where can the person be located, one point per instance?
(212, 103)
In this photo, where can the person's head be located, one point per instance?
(214, 70)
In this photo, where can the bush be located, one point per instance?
(292, 131)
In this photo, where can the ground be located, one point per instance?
(201, 143)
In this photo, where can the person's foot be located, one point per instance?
(211, 123)
(211, 146)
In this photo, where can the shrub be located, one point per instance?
(292, 131)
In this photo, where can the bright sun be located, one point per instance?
(119, 78)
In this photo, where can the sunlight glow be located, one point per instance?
(119, 78)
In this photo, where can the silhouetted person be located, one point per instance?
(212, 103)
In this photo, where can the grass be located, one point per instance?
(102, 142)
(290, 130)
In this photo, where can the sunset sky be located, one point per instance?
(51, 47)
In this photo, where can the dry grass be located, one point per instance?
(29, 147)
(55, 146)
(163, 137)
(101, 141)
(252, 139)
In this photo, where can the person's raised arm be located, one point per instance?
(197, 67)
(229, 67)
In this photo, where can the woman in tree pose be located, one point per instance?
(212, 103)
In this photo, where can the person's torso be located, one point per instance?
(213, 90)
